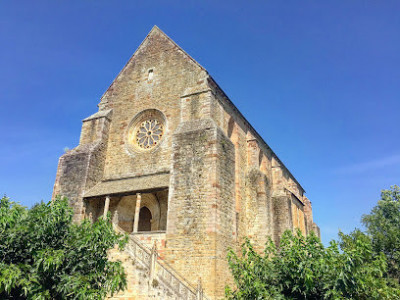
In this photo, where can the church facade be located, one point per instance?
(176, 164)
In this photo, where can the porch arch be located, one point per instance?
(150, 202)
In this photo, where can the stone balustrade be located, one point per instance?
(160, 273)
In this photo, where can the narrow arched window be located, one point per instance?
(150, 75)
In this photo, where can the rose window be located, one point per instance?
(145, 132)
(149, 134)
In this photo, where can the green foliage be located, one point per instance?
(361, 273)
(303, 268)
(383, 225)
(44, 255)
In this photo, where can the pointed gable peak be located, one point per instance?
(154, 31)
(155, 34)
(157, 30)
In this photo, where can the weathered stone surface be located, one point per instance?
(206, 181)
(201, 219)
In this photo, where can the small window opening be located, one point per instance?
(150, 76)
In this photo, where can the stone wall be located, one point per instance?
(150, 238)
(201, 206)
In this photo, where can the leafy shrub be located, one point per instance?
(302, 268)
(44, 255)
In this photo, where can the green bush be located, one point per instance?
(383, 225)
(44, 255)
(302, 268)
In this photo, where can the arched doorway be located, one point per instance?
(144, 219)
(149, 213)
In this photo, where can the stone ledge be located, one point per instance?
(100, 114)
(128, 185)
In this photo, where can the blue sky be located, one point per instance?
(319, 80)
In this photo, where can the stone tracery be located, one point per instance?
(149, 134)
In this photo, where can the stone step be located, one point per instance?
(138, 280)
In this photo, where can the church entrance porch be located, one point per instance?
(139, 212)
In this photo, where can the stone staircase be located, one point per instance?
(150, 277)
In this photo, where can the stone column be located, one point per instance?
(106, 206)
(153, 261)
(137, 210)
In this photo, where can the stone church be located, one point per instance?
(181, 170)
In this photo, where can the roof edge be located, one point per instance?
(257, 135)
